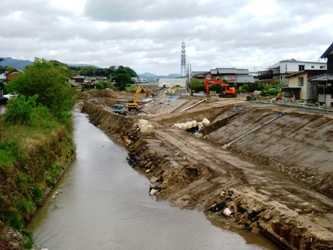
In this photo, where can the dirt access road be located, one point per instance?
(276, 180)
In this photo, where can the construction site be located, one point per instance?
(262, 166)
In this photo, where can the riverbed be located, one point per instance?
(104, 204)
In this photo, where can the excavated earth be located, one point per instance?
(270, 165)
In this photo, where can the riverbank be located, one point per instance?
(268, 180)
(25, 182)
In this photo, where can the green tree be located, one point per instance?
(251, 87)
(10, 68)
(88, 71)
(47, 81)
(196, 85)
(122, 80)
(131, 72)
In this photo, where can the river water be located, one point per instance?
(104, 204)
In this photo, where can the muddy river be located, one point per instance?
(104, 204)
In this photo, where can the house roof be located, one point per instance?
(277, 65)
(199, 73)
(229, 71)
(328, 51)
(313, 71)
(13, 72)
(322, 78)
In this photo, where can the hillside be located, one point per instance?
(21, 64)
(151, 76)
(16, 63)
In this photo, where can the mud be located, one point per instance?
(274, 174)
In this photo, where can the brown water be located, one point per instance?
(104, 204)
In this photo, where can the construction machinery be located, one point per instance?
(227, 91)
(132, 104)
(119, 109)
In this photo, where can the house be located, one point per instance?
(200, 75)
(78, 79)
(298, 85)
(324, 82)
(286, 67)
(11, 75)
(231, 75)
(3, 77)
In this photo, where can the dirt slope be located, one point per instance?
(276, 180)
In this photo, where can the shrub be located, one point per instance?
(99, 85)
(20, 110)
(216, 87)
(196, 85)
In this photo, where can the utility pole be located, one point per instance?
(183, 61)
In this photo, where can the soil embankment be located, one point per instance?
(271, 170)
(25, 184)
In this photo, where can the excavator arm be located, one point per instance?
(133, 104)
(227, 91)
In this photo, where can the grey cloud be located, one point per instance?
(150, 10)
(147, 34)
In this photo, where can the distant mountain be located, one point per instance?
(150, 76)
(80, 65)
(16, 63)
(21, 64)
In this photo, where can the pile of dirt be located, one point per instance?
(162, 105)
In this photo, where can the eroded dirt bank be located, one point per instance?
(276, 180)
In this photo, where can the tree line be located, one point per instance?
(120, 75)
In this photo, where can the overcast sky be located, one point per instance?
(146, 35)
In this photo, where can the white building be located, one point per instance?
(285, 67)
(169, 82)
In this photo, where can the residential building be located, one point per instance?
(11, 75)
(324, 82)
(286, 67)
(231, 75)
(298, 85)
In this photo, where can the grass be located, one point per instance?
(32, 157)
(16, 141)
(131, 87)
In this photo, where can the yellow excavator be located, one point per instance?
(133, 104)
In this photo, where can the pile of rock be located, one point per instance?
(144, 126)
(192, 124)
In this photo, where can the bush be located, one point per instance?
(196, 85)
(20, 110)
(216, 87)
(99, 85)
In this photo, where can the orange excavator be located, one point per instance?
(227, 91)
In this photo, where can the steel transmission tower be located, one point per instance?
(183, 61)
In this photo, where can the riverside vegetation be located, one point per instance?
(35, 146)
